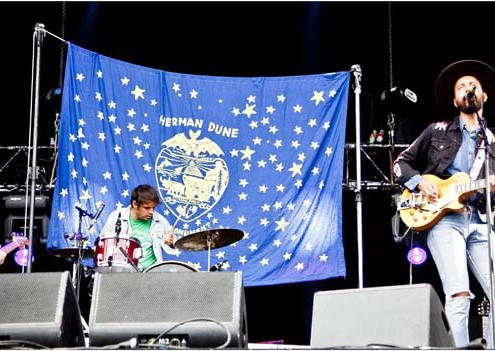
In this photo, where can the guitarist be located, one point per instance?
(17, 242)
(458, 241)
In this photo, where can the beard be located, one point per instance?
(470, 106)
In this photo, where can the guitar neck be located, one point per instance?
(472, 186)
(9, 247)
(14, 244)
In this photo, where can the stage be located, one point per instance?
(206, 310)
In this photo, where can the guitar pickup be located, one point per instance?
(415, 200)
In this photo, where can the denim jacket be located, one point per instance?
(159, 227)
(434, 150)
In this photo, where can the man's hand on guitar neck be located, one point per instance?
(2, 257)
(429, 189)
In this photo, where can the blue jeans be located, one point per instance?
(458, 242)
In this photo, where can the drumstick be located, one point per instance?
(180, 216)
(129, 259)
(178, 219)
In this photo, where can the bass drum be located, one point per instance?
(170, 266)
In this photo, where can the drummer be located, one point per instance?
(140, 221)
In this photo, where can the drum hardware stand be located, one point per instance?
(208, 243)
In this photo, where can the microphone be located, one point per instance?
(83, 212)
(118, 226)
(97, 215)
(470, 94)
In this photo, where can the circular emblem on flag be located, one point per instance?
(191, 176)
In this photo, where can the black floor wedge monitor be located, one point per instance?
(39, 308)
(183, 308)
(400, 316)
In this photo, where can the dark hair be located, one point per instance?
(144, 193)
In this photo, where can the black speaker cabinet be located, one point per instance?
(403, 316)
(41, 308)
(188, 309)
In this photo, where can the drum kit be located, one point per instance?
(118, 254)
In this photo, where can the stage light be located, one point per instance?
(396, 97)
(417, 255)
(21, 257)
(54, 93)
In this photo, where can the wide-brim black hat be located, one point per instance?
(444, 88)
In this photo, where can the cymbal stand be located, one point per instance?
(208, 243)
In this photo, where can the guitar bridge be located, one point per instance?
(416, 201)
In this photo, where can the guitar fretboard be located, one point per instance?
(475, 185)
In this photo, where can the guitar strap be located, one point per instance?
(480, 155)
(476, 167)
(478, 161)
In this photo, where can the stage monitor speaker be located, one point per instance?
(403, 316)
(179, 309)
(39, 308)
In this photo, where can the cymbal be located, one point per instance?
(73, 252)
(218, 238)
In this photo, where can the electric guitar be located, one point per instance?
(484, 312)
(17, 241)
(419, 214)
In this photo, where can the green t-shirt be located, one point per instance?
(140, 230)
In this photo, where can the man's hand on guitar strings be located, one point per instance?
(429, 189)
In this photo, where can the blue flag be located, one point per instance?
(262, 155)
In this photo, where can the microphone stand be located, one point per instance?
(79, 239)
(482, 123)
(118, 228)
(356, 69)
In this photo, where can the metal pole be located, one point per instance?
(489, 231)
(356, 69)
(39, 35)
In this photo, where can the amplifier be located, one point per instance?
(19, 201)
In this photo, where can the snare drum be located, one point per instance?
(171, 266)
(116, 254)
